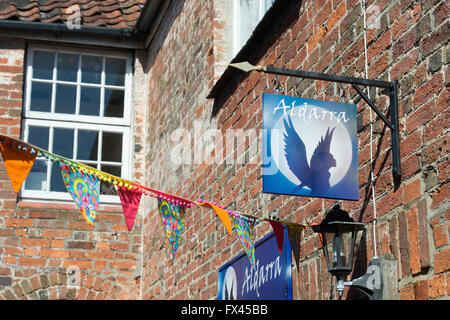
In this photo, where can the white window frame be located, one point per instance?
(98, 123)
(238, 42)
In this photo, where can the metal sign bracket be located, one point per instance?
(392, 124)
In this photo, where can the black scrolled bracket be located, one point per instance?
(392, 124)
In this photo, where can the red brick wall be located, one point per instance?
(410, 45)
(39, 241)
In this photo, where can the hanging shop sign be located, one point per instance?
(309, 147)
(269, 279)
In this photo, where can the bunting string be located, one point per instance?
(83, 184)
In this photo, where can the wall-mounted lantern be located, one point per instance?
(338, 233)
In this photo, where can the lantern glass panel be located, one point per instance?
(339, 250)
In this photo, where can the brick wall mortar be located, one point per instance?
(406, 47)
(171, 82)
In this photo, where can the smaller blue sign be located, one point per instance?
(271, 280)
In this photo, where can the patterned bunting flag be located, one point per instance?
(279, 233)
(172, 216)
(84, 189)
(295, 235)
(130, 204)
(18, 163)
(245, 232)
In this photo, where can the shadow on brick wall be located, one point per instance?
(161, 34)
(277, 20)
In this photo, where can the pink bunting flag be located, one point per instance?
(130, 204)
(279, 233)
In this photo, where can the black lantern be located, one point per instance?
(338, 232)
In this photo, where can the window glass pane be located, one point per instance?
(56, 181)
(43, 63)
(63, 142)
(115, 71)
(37, 178)
(248, 18)
(91, 69)
(87, 145)
(66, 98)
(38, 136)
(105, 187)
(90, 101)
(114, 170)
(41, 97)
(114, 103)
(112, 147)
(67, 67)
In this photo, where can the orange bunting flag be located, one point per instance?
(18, 163)
(223, 215)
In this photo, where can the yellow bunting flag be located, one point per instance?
(18, 163)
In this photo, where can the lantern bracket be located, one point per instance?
(392, 87)
(371, 283)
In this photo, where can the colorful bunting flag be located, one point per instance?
(245, 232)
(295, 235)
(172, 216)
(18, 163)
(83, 184)
(279, 233)
(130, 204)
(84, 189)
(223, 215)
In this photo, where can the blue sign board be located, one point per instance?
(270, 281)
(310, 147)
